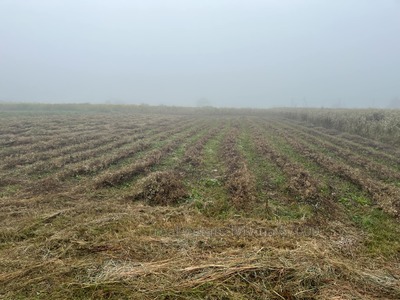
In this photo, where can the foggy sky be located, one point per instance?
(248, 53)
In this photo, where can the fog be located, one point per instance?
(231, 53)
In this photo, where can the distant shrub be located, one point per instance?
(379, 124)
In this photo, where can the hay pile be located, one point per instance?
(160, 188)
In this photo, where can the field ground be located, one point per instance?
(114, 205)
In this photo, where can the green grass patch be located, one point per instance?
(9, 190)
(207, 191)
(270, 181)
(383, 232)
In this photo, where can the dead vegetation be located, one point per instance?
(143, 165)
(145, 251)
(378, 170)
(385, 195)
(131, 220)
(380, 152)
(368, 125)
(160, 188)
(193, 154)
(239, 180)
(301, 185)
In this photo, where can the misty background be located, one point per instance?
(253, 53)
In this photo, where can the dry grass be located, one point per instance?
(377, 124)
(150, 234)
(107, 249)
(160, 188)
